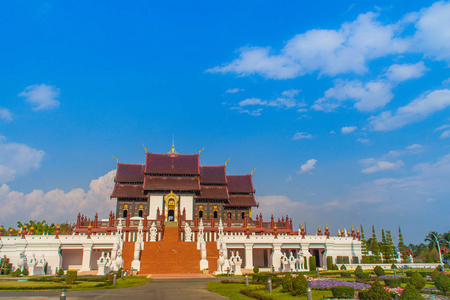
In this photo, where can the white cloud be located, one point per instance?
(280, 102)
(445, 134)
(308, 166)
(302, 135)
(415, 111)
(364, 141)
(330, 52)
(289, 178)
(56, 204)
(42, 96)
(375, 165)
(404, 72)
(446, 81)
(252, 101)
(17, 159)
(415, 147)
(367, 96)
(254, 112)
(234, 91)
(445, 126)
(348, 129)
(432, 34)
(290, 93)
(6, 115)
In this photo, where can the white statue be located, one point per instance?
(187, 232)
(22, 262)
(291, 262)
(300, 261)
(237, 264)
(153, 232)
(119, 260)
(32, 265)
(101, 264)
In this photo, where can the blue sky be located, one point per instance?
(342, 108)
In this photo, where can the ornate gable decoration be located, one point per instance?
(171, 196)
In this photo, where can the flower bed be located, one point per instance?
(328, 284)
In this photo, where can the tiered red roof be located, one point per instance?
(165, 172)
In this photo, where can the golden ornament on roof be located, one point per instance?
(201, 151)
(117, 161)
(226, 163)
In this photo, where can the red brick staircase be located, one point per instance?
(170, 255)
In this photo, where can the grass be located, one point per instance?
(232, 291)
(79, 286)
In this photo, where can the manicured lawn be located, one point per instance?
(232, 291)
(80, 285)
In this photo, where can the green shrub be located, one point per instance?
(435, 274)
(366, 259)
(410, 293)
(343, 291)
(17, 272)
(339, 260)
(442, 283)
(346, 260)
(392, 282)
(255, 269)
(119, 272)
(299, 285)
(71, 277)
(376, 291)
(25, 272)
(379, 271)
(355, 260)
(418, 281)
(60, 272)
(393, 267)
(346, 274)
(329, 263)
(312, 263)
(358, 271)
(405, 279)
(343, 268)
(286, 282)
(335, 267)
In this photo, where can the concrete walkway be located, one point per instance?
(161, 289)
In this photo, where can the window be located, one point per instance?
(200, 214)
(215, 214)
(141, 211)
(243, 215)
(125, 213)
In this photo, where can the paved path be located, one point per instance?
(161, 289)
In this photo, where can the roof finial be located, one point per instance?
(144, 148)
(172, 151)
(201, 151)
(226, 163)
(251, 174)
(116, 159)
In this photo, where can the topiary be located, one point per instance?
(442, 283)
(25, 272)
(435, 274)
(255, 269)
(410, 293)
(343, 291)
(299, 285)
(379, 271)
(392, 282)
(286, 282)
(343, 268)
(346, 274)
(71, 277)
(17, 272)
(418, 281)
(375, 292)
(329, 263)
(312, 263)
(335, 267)
(60, 272)
(358, 271)
(405, 279)
(393, 267)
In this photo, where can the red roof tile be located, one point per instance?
(213, 192)
(213, 175)
(240, 184)
(173, 164)
(241, 201)
(163, 183)
(129, 173)
(128, 191)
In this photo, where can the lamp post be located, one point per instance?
(62, 294)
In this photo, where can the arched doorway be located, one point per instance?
(171, 207)
(171, 211)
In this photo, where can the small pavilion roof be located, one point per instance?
(213, 192)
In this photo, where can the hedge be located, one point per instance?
(71, 277)
(392, 282)
(329, 263)
(312, 263)
(343, 291)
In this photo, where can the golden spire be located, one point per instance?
(226, 163)
(172, 151)
(201, 151)
(144, 148)
(116, 159)
(251, 174)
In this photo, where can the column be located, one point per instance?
(276, 256)
(86, 261)
(249, 256)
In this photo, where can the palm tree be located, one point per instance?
(430, 238)
(444, 239)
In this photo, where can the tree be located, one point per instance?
(391, 251)
(430, 238)
(375, 246)
(383, 246)
(401, 247)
